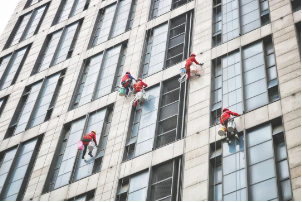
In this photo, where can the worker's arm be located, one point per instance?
(132, 77)
(144, 84)
(234, 113)
(94, 139)
(194, 60)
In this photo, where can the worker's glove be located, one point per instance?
(201, 64)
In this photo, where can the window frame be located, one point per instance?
(264, 18)
(27, 26)
(274, 141)
(176, 184)
(131, 142)
(65, 133)
(265, 42)
(29, 169)
(85, 68)
(22, 102)
(187, 43)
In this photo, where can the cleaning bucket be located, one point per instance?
(193, 69)
(122, 91)
(221, 131)
(182, 71)
(80, 145)
(231, 126)
(91, 145)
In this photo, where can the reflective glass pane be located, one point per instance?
(281, 151)
(262, 171)
(260, 134)
(260, 152)
(283, 170)
(264, 191)
(286, 190)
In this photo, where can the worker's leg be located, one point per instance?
(84, 151)
(188, 70)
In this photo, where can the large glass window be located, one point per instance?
(232, 18)
(15, 168)
(27, 26)
(10, 67)
(31, 2)
(100, 75)
(69, 8)
(228, 170)
(36, 104)
(296, 5)
(298, 33)
(159, 117)
(160, 7)
(113, 21)
(88, 196)
(167, 44)
(255, 76)
(57, 47)
(2, 104)
(164, 184)
(69, 165)
(266, 157)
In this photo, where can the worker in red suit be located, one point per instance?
(225, 116)
(189, 62)
(138, 86)
(126, 82)
(86, 139)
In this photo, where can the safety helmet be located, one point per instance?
(127, 72)
(139, 79)
(93, 131)
(192, 55)
(224, 109)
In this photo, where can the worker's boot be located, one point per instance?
(83, 157)
(197, 75)
(90, 154)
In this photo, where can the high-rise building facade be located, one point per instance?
(60, 64)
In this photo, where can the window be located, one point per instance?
(160, 7)
(235, 17)
(15, 168)
(147, 129)
(167, 44)
(36, 104)
(268, 171)
(31, 2)
(27, 26)
(69, 165)
(228, 170)
(99, 75)
(57, 47)
(2, 104)
(164, 184)
(113, 21)
(296, 5)
(89, 196)
(69, 8)
(10, 67)
(298, 33)
(256, 76)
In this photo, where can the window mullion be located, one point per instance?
(113, 20)
(35, 105)
(29, 22)
(149, 186)
(167, 45)
(10, 172)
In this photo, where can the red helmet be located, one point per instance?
(192, 55)
(224, 109)
(139, 79)
(127, 72)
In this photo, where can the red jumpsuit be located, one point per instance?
(189, 62)
(138, 86)
(226, 115)
(88, 137)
